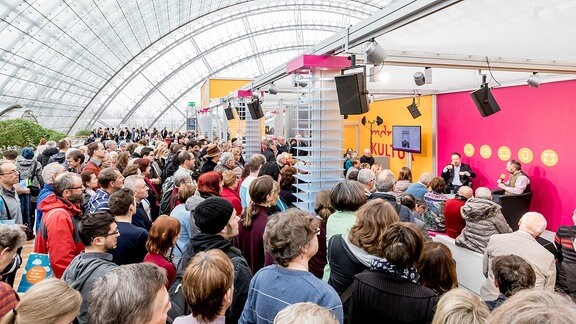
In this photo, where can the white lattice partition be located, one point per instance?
(205, 122)
(319, 126)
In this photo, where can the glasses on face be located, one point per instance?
(10, 172)
(81, 187)
(113, 233)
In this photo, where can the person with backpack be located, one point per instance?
(217, 222)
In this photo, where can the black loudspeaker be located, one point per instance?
(351, 92)
(484, 101)
(255, 109)
(414, 111)
(229, 113)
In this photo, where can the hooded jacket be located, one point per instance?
(81, 274)
(59, 157)
(483, 219)
(242, 276)
(26, 167)
(190, 205)
(46, 154)
(58, 232)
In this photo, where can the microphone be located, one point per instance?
(502, 178)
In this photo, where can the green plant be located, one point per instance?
(22, 132)
(83, 132)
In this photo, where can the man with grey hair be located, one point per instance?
(367, 179)
(254, 164)
(58, 232)
(282, 146)
(523, 244)
(142, 216)
(49, 174)
(384, 186)
(110, 145)
(227, 162)
(483, 219)
(420, 188)
(47, 153)
(138, 288)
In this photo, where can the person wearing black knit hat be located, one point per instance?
(217, 222)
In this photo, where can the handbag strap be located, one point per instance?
(6, 207)
(34, 171)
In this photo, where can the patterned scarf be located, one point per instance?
(383, 265)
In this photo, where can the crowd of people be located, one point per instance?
(179, 229)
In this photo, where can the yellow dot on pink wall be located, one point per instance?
(504, 153)
(485, 151)
(525, 155)
(549, 158)
(468, 150)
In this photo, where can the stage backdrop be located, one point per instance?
(536, 126)
(392, 112)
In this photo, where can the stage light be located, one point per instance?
(375, 54)
(413, 109)
(273, 89)
(534, 80)
(423, 78)
(256, 94)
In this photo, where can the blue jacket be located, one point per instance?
(46, 191)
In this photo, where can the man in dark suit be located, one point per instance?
(462, 171)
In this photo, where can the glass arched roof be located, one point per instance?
(79, 64)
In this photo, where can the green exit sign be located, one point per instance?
(191, 104)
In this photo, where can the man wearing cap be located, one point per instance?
(217, 222)
(212, 157)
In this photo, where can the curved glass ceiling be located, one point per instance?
(80, 64)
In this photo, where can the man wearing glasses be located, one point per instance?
(9, 202)
(58, 232)
(99, 233)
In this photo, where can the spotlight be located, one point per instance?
(534, 80)
(413, 109)
(375, 54)
(273, 89)
(256, 94)
(423, 78)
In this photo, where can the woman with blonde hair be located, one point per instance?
(161, 240)
(460, 306)
(50, 301)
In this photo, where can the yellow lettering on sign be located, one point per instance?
(485, 151)
(525, 155)
(468, 150)
(549, 158)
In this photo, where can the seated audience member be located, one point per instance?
(323, 209)
(185, 191)
(218, 224)
(384, 185)
(459, 306)
(130, 294)
(291, 238)
(207, 285)
(483, 219)
(393, 281)
(457, 174)
(566, 263)
(523, 244)
(354, 166)
(518, 183)
(49, 301)
(420, 188)
(404, 181)
(351, 254)
(376, 167)
(367, 179)
(131, 245)
(305, 313)
(250, 241)
(352, 175)
(161, 240)
(511, 274)
(229, 190)
(98, 233)
(437, 268)
(452, 215)
(346, 197)
(435, 200)
(535, 306)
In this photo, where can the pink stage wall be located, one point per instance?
(532, 122)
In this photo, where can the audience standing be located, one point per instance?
(161, 240)
(566, 263)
